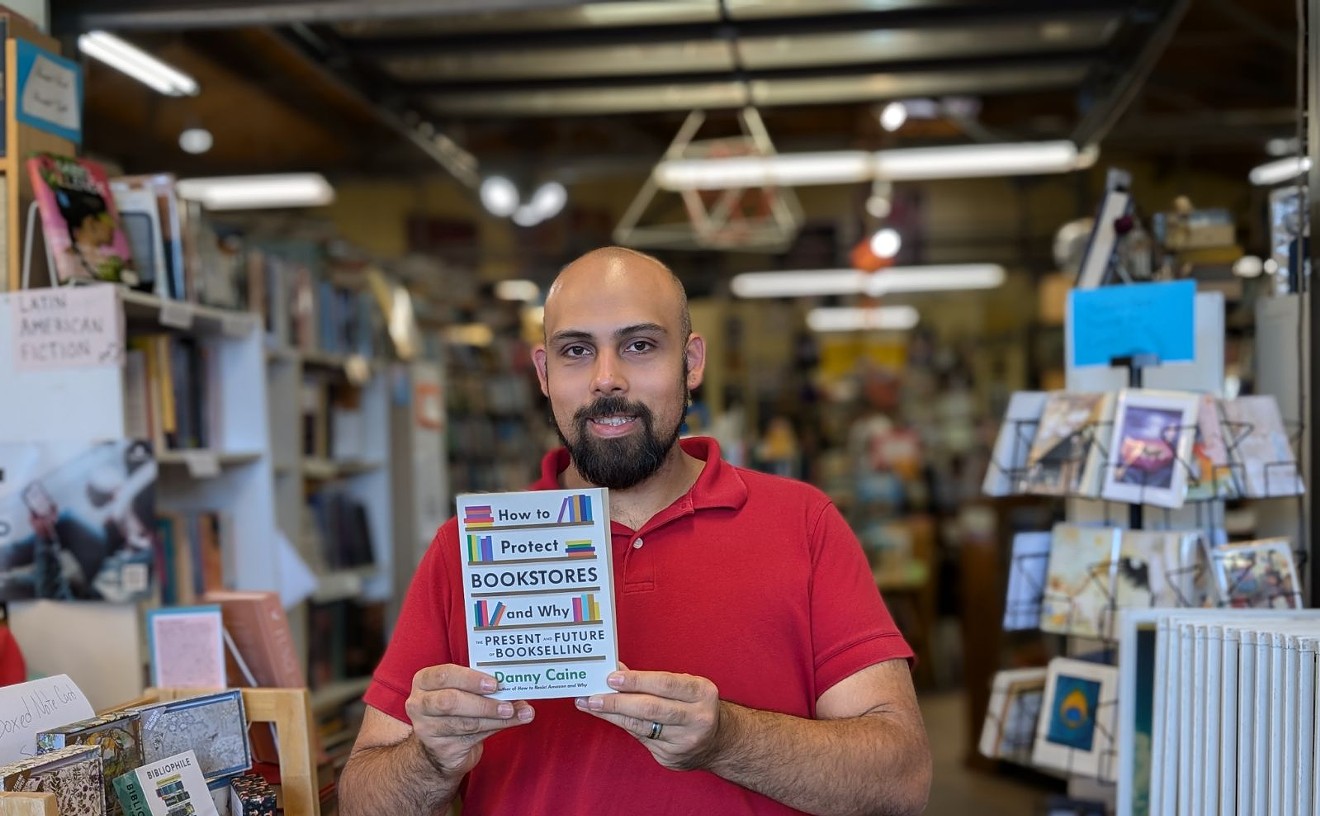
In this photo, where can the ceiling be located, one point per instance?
(598, 89)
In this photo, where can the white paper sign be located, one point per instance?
(539, 591)
(68, 327)
(27, 709)
(51, 94)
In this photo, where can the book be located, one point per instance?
(73, 774)
(140, 219)
(168, 248)
(1151, 447)
(538, 587)
(173, 786)
(251, 795)
(187, 647)
(80, 220)
(259, 627)
(1008, 462)
(1056, 462)
(1261, 451)
(213, 725)
(118, 735)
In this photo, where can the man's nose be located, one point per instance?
(608, 377)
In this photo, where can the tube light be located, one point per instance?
(784, 169)
(128, 58)
(523, 290)
(1279, 171)
(851, 318)
(821, 282)
(850, 166)
(259, 192)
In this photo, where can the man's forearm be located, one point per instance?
(398, 780)
(877, 763)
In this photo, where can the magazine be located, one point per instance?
(80, 220)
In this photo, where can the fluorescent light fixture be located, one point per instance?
(523, 290)
(821, 282)
(259, 192)
(980, 160)
(128, 58)
(849, 166)
(850, 318)
(786, 169)
(1279, 171)
(499, 196)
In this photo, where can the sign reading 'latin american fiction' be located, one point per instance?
(539, 591)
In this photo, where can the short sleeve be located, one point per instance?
(851, 626)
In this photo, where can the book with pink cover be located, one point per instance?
(80, 220)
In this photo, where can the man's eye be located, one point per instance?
(641, 345)
(575, 351)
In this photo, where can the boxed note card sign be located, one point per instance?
(539, 591)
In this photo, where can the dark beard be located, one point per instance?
(625, 462)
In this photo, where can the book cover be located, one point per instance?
(1150, 454)
(213, 725)
(73, 774)
(118, 735)
(186, 645)
(80, 220)
(173, 786)
(168, 249)
(76, 520)
(1009, 460)
(1079, 586)
(538, 588)
(260, 629)
(1261, 449)
(1064, 436)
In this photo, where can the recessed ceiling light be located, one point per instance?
(893, 116)
(886, 243)
(499, 196)
(196, 140)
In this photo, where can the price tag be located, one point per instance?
(236, 325)
(357, 369)
(202, 464)
(176, 314)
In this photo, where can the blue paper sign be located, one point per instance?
(1141, 318)
(50, 92)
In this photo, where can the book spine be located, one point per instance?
(132, 796)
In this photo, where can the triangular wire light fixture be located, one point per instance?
(760, 218)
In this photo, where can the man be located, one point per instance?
(763, 673)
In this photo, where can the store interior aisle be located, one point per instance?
(958, 790)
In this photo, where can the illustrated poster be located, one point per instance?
(539, 591)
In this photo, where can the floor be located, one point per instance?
(957, 790)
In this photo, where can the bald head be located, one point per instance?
(620, 268)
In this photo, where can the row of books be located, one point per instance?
(1161, 448)
(341, 527)
(170, 392)
(1074, 579)
(190, 554)
(302, 307)
(346, 639)
(334, 424)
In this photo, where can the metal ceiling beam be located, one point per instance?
(76, 16)
(614, 81)
(1122, 90)
(962, 15)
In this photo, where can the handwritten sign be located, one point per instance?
(50, 91)
(27, 709)
(539, 591)
(68, 327)
(1142, 318)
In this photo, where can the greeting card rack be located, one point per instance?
(1017, 746)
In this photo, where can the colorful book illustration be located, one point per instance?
(1151, 447)
(540, 605)
(80, 220)
(1257, 575)
(1079, 582)
(1262, 456)
(1057, 459)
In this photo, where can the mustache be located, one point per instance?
(603, 407)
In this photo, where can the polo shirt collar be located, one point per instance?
(719, 484)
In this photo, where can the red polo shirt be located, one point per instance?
(750, 580)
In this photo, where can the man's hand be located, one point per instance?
(451, 715)
(687, 709)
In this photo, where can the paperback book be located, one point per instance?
(538, 587)
(80, 220)
(173, 786)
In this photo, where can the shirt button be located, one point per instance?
(637, 545)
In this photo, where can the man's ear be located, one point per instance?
(695, 353)
(539, 360)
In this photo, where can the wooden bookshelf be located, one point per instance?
(21, 141)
